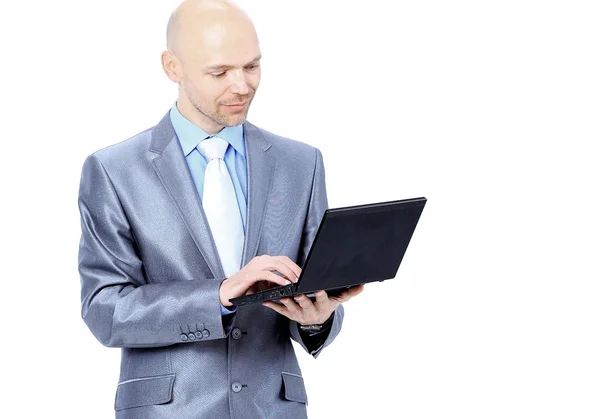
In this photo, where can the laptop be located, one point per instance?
(353, 245)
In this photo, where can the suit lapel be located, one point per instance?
(171, 168)
(260, 165)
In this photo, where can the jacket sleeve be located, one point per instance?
(119, 306)
(316, 209)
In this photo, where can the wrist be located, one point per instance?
(316, 327)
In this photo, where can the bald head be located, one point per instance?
(196, 19)
(214, 57)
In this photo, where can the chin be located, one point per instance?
(235, 120)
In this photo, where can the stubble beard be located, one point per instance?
(219, 118)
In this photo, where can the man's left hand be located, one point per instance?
(304, 311)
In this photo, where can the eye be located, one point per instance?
(219, 75)
(252, 67)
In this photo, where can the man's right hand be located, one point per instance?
(259, 271)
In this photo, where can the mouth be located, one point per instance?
(236, 105)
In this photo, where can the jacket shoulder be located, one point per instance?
(289, 148)
(128, 149)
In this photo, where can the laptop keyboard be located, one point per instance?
(270, 294)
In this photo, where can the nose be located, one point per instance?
(239, 85)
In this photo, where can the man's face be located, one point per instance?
(221, 73)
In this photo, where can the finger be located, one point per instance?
(354, 291)
(274, 263)
(284, 269)
(290, 263)
(291, 305)
(277, 307)
(351, 292)
(304, 302)
(267, 276)
(308, 311)
(321, 297)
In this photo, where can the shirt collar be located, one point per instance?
(190, 134)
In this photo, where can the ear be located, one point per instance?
(171, 66)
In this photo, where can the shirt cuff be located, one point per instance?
(314, 341)
(225, 311)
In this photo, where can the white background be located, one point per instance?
(489, 109)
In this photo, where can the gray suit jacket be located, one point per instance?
(150, 277)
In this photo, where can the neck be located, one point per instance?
(190, 112)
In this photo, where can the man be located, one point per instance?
(172, 222)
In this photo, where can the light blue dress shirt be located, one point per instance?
(190, 135)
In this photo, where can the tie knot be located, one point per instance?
(213, 148)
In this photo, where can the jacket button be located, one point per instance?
(236, 387)
(198, 334)
(236, 333)
(205, 333)
(192, 336)
(184, 337)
